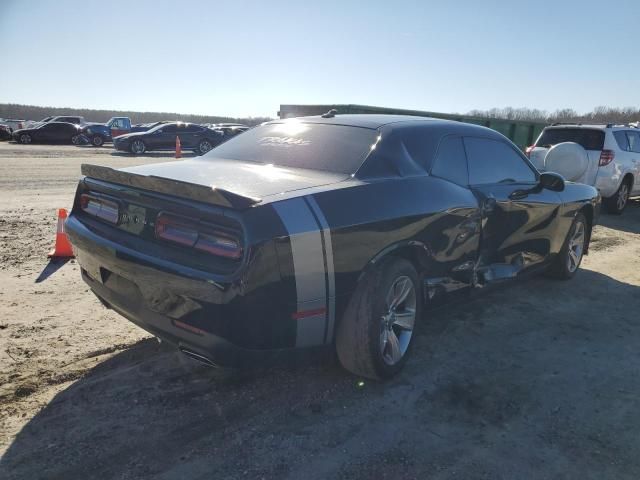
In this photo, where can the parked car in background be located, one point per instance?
(605, 156)
(51, 132)
(230, 131)
(99, 133)
(163, 137)
(5, 132)
(13, 123)
(76, 120)
(322, 232)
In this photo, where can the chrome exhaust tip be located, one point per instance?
(198, 357)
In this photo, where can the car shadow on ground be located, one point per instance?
(508, 382)
(628, 221)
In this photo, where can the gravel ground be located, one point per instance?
(537, 380)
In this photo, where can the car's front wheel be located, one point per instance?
(138, 147)
(375, 335)
(568, 260)
(618, 201)
(25, 138)
(97, 140)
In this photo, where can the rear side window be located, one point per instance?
(451, 161)
(494, 161)
(621, 140)
(328, 147)
(634, 141)
(193, 129)
(589, 138)
(170, 129)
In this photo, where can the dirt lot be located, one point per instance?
(540, 380)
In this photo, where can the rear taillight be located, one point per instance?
(606, 157)
(528, 150)
(193, 234)
(100, 207)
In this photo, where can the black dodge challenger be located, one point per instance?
(322, 231)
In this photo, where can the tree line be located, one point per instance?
(32, 112)
(598, 115)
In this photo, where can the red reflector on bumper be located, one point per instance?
(189, 328)
(308, 313)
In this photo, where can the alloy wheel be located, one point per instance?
(137, 147)
(25, 139)
(623, 196)
(398, 322)
(205, 146)
(576, 247)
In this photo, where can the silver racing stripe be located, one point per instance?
(328, 251)
(309, 269)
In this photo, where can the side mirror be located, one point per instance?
(552, 181)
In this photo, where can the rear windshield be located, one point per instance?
(332, 148)
(590, 139)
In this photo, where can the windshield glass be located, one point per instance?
(589, 138)
(332, 148)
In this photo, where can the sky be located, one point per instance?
(245, 58)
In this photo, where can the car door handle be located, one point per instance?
(518, 194)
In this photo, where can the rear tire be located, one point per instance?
(616, 203)
(204, 146)
(375, 335)
(568, 261)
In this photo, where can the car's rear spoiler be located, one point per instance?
(192, 191)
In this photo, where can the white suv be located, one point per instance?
(610, 158)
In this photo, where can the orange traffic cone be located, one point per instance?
(63, 247)
(178, 148)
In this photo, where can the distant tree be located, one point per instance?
(600, 114)
(31, 112)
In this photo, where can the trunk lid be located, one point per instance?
(229, 183)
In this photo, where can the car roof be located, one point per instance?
(360, 120)
(566, 126)
(437, 126)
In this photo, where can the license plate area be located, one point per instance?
(133, 219)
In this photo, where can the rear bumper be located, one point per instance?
(216, 350)
(190, 309)
(120, 145)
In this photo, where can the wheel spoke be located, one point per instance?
(578, 238)
(402, 289)
(574, 257)
(394, 347)
(405, 320)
